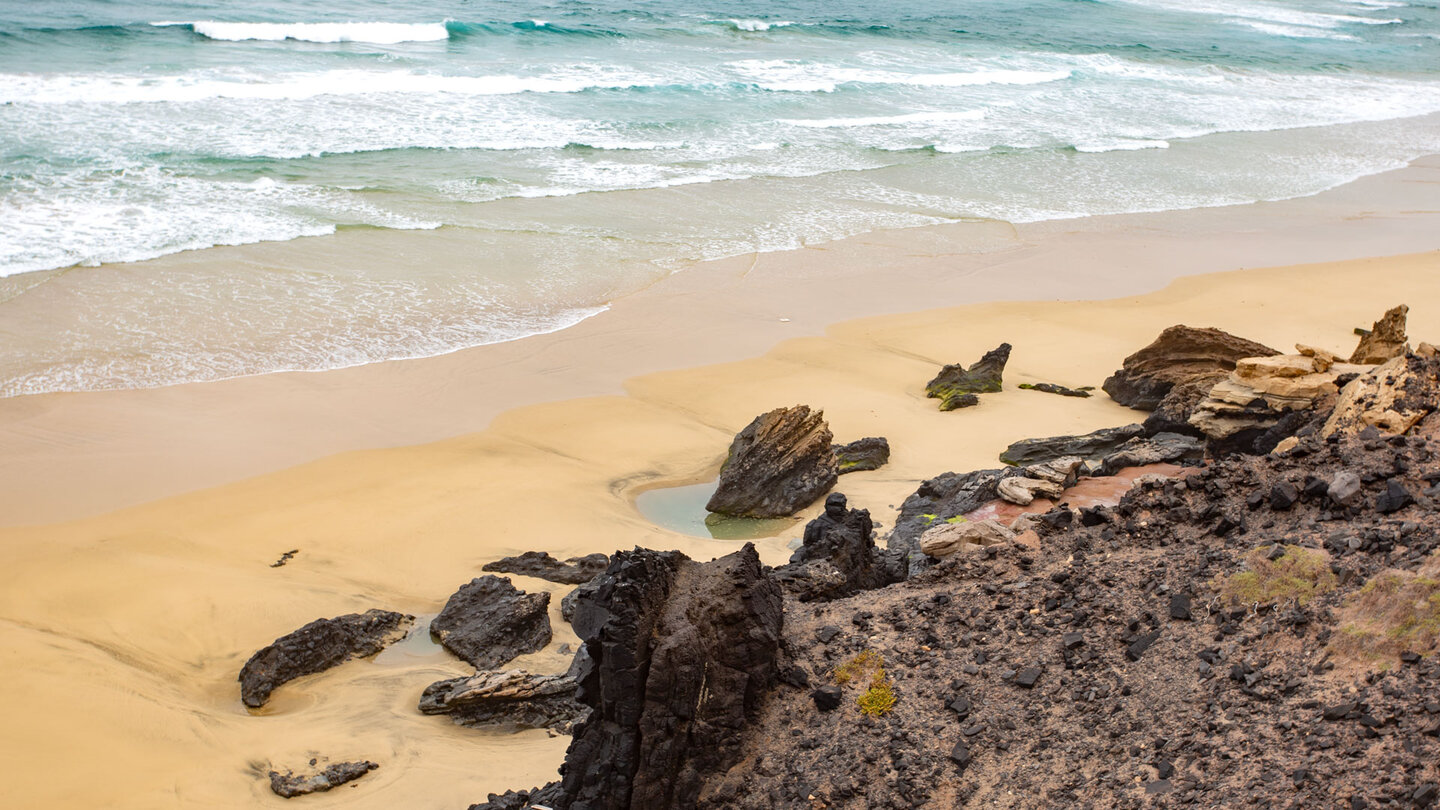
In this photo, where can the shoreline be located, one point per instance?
(123, 633)
(86, 453)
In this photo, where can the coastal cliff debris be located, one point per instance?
(318, 646)
(1109, 667)
(949, 496)
(862, 455)
(1176, 371)
(539, 564)
(1162, 448)
(1392, 398)
(838, 556)
(1254, 398)
(957, 386)
(488, 622)
(779, 464)
(679, 656)
(510, 699)
(1047, 480)
(1385, 341)
(289, 785)
(1052, 388)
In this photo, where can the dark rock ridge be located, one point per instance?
(681, 655)
(541, 565)
(1185, 359)
(1092, 447)
(862, 455)
(513, 698)
(289, 785)
(1162, 448)
(779, 464)
(838, 556)
(956, 386)
(1052, 388)
(318, 646)
(489, 622)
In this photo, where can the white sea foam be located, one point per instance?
(759, 25)
(1120, 145)
(1294, 31)
(377, 33)
(804, 77)
(1262, 12)
(886, 120)
(123, 89)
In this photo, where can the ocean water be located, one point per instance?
(560, 154)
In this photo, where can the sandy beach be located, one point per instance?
(141, 525)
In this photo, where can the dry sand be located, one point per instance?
(121, 634)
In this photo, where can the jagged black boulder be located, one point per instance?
(838, 556)
(318, 646)
(779, 464)
(862, 455)
(488, 622)
(956, 385)
(680, 656)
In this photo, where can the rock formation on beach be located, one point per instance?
(509, 699)
(488, 622)
(540, 564)
(1176, 371)
(838, 556)
(318, 646)
(862, 455)
(289, 785)
(957, 386)
(779, 464)
(1386, 339)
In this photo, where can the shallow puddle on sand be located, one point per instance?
(418, 647)
(682, 509)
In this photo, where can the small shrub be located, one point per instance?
(879, 697)
(1396, 611)
(1300, 574)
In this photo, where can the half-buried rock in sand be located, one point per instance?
(318, 646)
(488, 622)
(779, 464)
(958, 387)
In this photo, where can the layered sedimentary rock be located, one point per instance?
(1184, 361)
(318, 646)
(779, 464)
(289, 785)
(512, 698)
(680, 655)
(1092, 447)
(1258, 394)
(488, 622)
(956, 386)
(951, 538)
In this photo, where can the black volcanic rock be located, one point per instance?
(288, 785)
(318, 646)
(488, 622)
(681, 655)
(539, 564)
(513, 699)
(862, 455)
(1094, 446)
(838, 556)
(827, 698)
(1394, 498)
(955, 386)
(779, 464)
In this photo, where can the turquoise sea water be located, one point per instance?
(582, 149)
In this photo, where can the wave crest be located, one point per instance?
(376, 33)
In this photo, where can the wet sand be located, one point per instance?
(122, 632)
